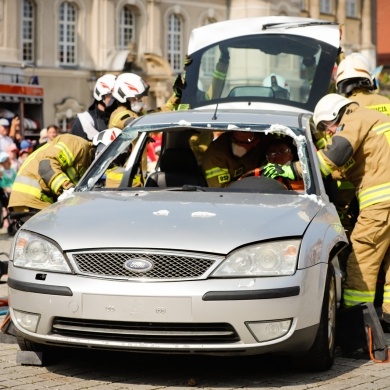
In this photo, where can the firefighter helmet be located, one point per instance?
(354, 72)
(104, 138)
(129, 85)
(103, 86)
(328, 108)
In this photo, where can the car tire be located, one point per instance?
(322, 353)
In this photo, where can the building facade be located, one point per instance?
(60, 47)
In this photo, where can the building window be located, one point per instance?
(28, 29)
(126, 28)
(351, 9)
(175, 42)
(326, 6)
(67, 34)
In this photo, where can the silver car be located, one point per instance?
(149, 258)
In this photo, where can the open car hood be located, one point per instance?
(177, 220)
(278, 60)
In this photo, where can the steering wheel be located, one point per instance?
(259, 173)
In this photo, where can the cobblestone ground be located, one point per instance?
(73, 369)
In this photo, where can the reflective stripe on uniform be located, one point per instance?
(324, 167)
(213, 172)
(66, 157)
(383, 129)
(373, 195)
(31, 187)
(219, 75)
(113, 175)
(386, 295)
(72, 174)
(355, 297)
(321, 143)
(58, 182)
(382, 108)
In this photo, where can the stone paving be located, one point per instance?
(73, 369)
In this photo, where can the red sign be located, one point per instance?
(21, 90)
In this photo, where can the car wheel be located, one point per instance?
(321, 355)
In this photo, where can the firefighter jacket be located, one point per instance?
(121, 117)
(371, 100)
(360, 149)
(56, 166)
(221, 166)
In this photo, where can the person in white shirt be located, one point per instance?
(5, 139)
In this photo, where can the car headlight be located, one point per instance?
(35, 252)
(268, 259)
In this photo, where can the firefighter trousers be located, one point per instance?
(370, 240)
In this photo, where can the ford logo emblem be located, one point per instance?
(138, 265)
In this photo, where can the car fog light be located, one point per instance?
(28, 321)
(269, 330)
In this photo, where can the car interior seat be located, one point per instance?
(177, 167)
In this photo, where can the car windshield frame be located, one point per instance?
(89, 182)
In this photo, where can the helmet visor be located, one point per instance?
(325, 125)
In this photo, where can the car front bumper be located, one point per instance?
(212, 316)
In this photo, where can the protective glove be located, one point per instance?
(276, 170)
(178, 85)
(66, 194)
(225, 56)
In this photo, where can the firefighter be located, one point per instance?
(231, 155)
(89, 123)
(360, 149)
(130, 91)
(354, 81)
(49, 171)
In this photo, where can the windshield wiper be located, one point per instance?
(296, 25)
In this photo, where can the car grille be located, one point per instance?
(145, 332)
(165, 265)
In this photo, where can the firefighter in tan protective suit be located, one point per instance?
(354, 81)
(50, 170)
(231, 155)
(360, 148)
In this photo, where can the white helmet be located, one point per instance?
(279, 85)
(104, 138)
(328, 108)
(129, 85)
(353, 72)
(103, 86)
